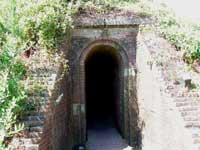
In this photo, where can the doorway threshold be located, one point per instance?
(105, 139)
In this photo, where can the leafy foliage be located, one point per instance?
(182, 34)
(25, 25)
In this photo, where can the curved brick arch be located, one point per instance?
(122, 43)
(104, 42)
(123, 89)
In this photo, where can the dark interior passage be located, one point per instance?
(102, 88)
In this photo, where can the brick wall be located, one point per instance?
(162, 108)
(61, 120)
(56, 122)
(48, 126)
(120, 35)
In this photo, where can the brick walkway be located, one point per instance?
(104, 137)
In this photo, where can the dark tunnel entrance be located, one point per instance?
(102, 70)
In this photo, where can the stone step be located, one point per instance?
(35, 134)
(42, 95)
(108, 139)
(186, 103)
(193, 125)
(32, 147)
(188, 109)
(41, 108)
(110, 147)
(190, 113)
(191, 119)
(27, 141)
(180, 100)
(36, 112)
(33, 123)
(182, 104)
(36, 129)
(197, 141)
(196, 135)
(33, 118)
(38, 104)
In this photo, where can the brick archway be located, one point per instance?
(122, 40)
(127, 76)
(123, 64)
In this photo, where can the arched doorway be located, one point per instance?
(115, 56)
(102, 87)
(104, 115)
(103, 90)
